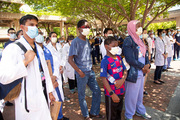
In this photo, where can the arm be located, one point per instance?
(12, 67)
(119, 83)
(72, 63)
(115, 98)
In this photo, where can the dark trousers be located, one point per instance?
(97, 51)
(93, 56)
(1, 117)
(45, 90)
(176, 51)
(72, 83)
(113, 110)
(158, 72)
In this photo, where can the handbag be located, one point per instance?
(54, 109)
(12, 90)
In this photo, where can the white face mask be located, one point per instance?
(115, 50)
(54, 39)
(139, 31)
(110, 35)
(12, 36)
(86, 31)
(145, 36)
(39, 39)
(152, 36)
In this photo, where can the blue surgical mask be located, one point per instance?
(163, 34)
(32, 32)
(39, 39)
(61, 41)
(178, 30)
(13, 36)
(169, 33)
(141, 36)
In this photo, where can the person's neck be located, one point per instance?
(82, 37)
(53, 44)
(110, 55)
(11, 39)
(161, 37)
(29, 40)
(40, 44)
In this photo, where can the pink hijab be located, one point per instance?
(131, 28)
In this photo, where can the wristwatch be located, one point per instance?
(111, 93)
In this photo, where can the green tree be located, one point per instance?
(112, 13)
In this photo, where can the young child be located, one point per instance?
(113, 74)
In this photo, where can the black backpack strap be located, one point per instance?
(21, 46)
(25, 50)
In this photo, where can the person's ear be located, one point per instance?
(107, 47)
(22, 27)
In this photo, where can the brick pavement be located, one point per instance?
(158, 98)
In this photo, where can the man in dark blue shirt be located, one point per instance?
(12, 36)
(177, 45)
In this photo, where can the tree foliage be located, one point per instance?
(112, 13)
(9, 7)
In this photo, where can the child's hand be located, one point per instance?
(119, 83)
(115, 98)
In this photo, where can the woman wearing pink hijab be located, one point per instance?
(135, 54)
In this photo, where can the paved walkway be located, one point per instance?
(162, 103)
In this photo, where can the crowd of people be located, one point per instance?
(50, 61)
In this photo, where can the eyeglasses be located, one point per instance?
(12, 32)
(41, 33)
(85, 26)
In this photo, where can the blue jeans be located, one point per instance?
(60, 116)
(169, 61)
(89, 80)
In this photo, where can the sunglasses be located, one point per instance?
(85, 26)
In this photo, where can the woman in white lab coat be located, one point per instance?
(160, 56)
(68, 69)
(55, 49)
(13, 66)
(170, 43)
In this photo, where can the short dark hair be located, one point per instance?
(167, 31)
(81, 23)
(10, 29)
(144, 29)
(109, 40)
(18, 32)
(107, 29)
(23, 19)
(159, 31)
(70, 37)
(52, 33)
(47, 39)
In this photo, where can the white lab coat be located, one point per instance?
(150, 41)
(69, 70)
(169, 45)
(102, 48)
(12, 68)
(57, 62)
(160, 49)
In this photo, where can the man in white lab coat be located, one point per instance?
(15, 64)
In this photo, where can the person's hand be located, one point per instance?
(61, 69)
(115, 98)
(145, 68)
(81, 74)
(53, 78)
(165, 55)
(29, 56)
(51, 97)
(55, 84)
(119, 83)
